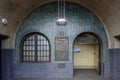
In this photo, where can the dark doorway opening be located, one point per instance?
(87, 53)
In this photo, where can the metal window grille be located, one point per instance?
(35, 48)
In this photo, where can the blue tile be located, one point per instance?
(43, 20)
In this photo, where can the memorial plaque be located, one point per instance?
(61, 49)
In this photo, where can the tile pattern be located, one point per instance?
(43, 20)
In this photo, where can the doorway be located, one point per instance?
(87, 50)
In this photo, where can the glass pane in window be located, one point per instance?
(47, 59)
(33, 53)
(42, 48)
(42, 58)
(39, 42)
(38, 47)
(39, 53)
(47, 47)
(42, 43)
(39, 59)
(42, 53)
(47, 53)
(35, 48)
(33, 58)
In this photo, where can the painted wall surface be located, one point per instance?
(116, 43)
(43, 20)
(87, 58)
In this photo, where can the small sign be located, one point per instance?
(77, 50)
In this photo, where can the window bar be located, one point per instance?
(28, 49)
(36, 48)
(38, 52)
(39, 40)
(40, 48)
(46, 49)
(43, 51)
(31, 48)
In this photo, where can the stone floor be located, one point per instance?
(78, 75)
(87, 75)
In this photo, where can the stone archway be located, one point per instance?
(42, 20)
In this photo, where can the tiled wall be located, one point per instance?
(43, 70)
(48, 70)
(7, 64)
(43, 20)
(115, 63)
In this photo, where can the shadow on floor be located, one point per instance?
(90, 74)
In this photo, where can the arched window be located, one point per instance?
(35, 47)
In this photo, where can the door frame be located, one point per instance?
(100, 51)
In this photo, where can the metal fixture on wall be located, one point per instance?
(4, 21)
(61, 13)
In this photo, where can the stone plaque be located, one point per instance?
(61, 49)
